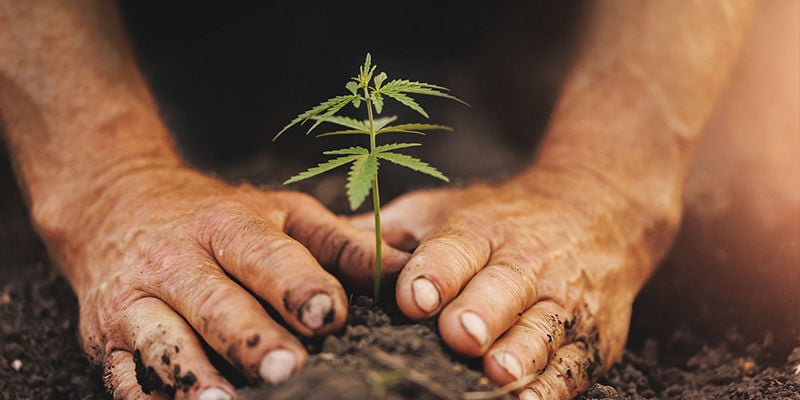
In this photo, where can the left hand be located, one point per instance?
(535, 279)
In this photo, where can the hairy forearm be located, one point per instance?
(76, 113)
(645, 78)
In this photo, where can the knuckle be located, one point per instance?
(276, 250)
(209, 306)
(506, 280)
(220, 221)
(119, 379)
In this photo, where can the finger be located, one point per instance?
(569, 373)
(441, 266)
(228, 318)
(119, 376)
(349, 252)
(168, 355)
(529, 344)
(408, 219)
(489, 305)
(281, 271)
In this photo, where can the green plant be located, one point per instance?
(370, 89)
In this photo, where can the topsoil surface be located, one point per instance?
(695, 334)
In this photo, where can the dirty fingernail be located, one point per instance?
(475, 327)
(277, 366)
(317, 311)
(509, 363)
(425, 294)
(214, 394)
(528, 394)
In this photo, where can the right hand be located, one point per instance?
(164, 260)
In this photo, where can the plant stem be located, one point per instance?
(376, 207)
(376, 202)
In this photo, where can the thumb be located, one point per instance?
(408, 219)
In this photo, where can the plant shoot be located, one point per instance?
(370, 89)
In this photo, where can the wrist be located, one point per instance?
(642, 220)
(77, 207)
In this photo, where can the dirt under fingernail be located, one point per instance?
(316, 311)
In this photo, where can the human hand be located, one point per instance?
(535, 276)
(164, 260)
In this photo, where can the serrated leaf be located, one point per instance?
(322, 167)
(406, 86)
(397, 84)
(357, 102)
(407, 101)
(379, 79)
(343, 132)
(355, 150)
(347, 122)
(367, 62)
(395, 146)
(413, 163)
(359, 180)
(331, 111)
(379, 123)
(413, 128)
(377, 101)
(314, 111)
(352, 86)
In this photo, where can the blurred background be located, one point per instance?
(228, 77)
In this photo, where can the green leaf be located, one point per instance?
(343, 132)
(355, 150)
(314, 111)
(403, 84)
(367, 62)
(413, 163)
(395, 146)
(406, 86)
(407, 101)
(377, 101)
(379, 79)
(322, 167)
(379, 123)
(332, 110)
(357, 102)
(359, 180)
(352, 86)
(365, 71)
(347, 122)
(413, 128)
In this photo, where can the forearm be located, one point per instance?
(645, 79)
(76, 113)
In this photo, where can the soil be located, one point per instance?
(695, 345)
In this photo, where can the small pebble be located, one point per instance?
(483, 381)
(332, 344)
(16, 364)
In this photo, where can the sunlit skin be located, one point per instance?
(534, 274)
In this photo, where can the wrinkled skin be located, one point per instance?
(550, 271)
(175, 260)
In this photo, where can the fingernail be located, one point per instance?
(509, 363)
(528, 394)
(317, 311)
(475, 327)
(214, 394)
(425, 294)
(277, 366)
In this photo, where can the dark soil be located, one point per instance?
(686, 342)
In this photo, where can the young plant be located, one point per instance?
(370, 89)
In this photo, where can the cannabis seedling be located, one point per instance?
(370, 89)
